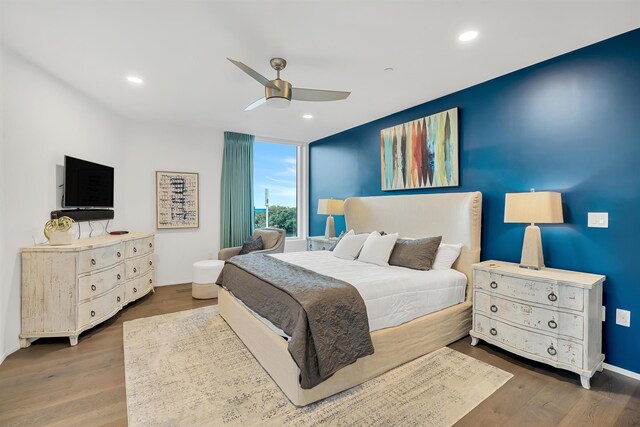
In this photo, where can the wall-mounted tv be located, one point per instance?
(87, 184)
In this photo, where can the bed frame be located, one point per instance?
(454, 216)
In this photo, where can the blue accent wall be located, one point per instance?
(570, 124)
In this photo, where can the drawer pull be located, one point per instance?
(552, 351)
(135, 250)
(493, 285)
(118, 276)
(493, 331)
(150, 245)
(93, 261)
(150, 280)
(135, 270)
(552, 297)
(93, 287)
(494, 309)
(118, 299)
(93, 313)
(150, 263)
(552, 324)
(119, 254)
(135, 290)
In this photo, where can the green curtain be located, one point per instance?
(236, 218)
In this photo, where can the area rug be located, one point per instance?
(190, 369)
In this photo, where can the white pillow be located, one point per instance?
(446, 256)
(377, 249)
(349, 246)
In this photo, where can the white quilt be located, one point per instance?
(392, 295)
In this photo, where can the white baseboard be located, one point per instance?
(621, 371)
(9, 351)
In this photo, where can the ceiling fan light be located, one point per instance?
(278, 102)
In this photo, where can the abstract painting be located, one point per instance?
(177, 200)
(421, 154)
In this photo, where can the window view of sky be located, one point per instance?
(274, 167)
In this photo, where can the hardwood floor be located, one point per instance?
(51, 383)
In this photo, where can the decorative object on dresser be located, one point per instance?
(543, 207)
(330, 207)
(320, 243)
(551, 316)
(177, 200)
(422, 153)
(58, 231)
(69, 289)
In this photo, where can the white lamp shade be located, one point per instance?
(330, 207)
(540, 207)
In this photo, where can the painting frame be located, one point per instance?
(421, 154)
(166, 209)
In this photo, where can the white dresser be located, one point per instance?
(69, 289)
(320, 243)
(552, 316)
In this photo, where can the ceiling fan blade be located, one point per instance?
(300, 94)
(253, 73)
(256, 104)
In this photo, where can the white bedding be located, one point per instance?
(393, 295)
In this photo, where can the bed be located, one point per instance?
(454, 216)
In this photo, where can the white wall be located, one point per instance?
(44, 119)
(152, 147)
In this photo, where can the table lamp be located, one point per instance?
(330, 207)
(544, 207)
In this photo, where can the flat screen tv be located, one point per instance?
(87, 184)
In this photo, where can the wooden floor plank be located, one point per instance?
(52, 383)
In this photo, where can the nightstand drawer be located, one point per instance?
(540, 292)
(541, 345)
(543, 319)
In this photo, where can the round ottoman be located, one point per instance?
(205, 274)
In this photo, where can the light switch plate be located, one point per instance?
(598, 220)
(623, 317)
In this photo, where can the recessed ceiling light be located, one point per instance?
(467, 36)
(388, 69)
(135, 80)
(307, 116)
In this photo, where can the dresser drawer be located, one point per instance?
(550, 348)
(97, 283)
(138, 266)
(138, 287)
(137, 247)
(543, 319)
(97, 309)
(540, 292)
(99, 258)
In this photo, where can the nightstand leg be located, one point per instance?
(474, 341)
(585, 380)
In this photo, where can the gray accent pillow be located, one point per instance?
(418, 254)
(252, 245)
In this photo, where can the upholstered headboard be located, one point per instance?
(457, 217)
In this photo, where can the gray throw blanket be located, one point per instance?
(326, 318)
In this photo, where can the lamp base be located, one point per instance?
(330, 228)
(532, 249)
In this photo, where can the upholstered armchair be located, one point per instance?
(273, 239)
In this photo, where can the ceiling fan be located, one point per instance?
(279, 93)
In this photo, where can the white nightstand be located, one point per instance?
(320, 243)
(552, 316)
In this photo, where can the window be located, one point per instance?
(275, 186)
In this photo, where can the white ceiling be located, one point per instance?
(179, 48)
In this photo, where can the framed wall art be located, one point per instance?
(422, 153)
(177, 200)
